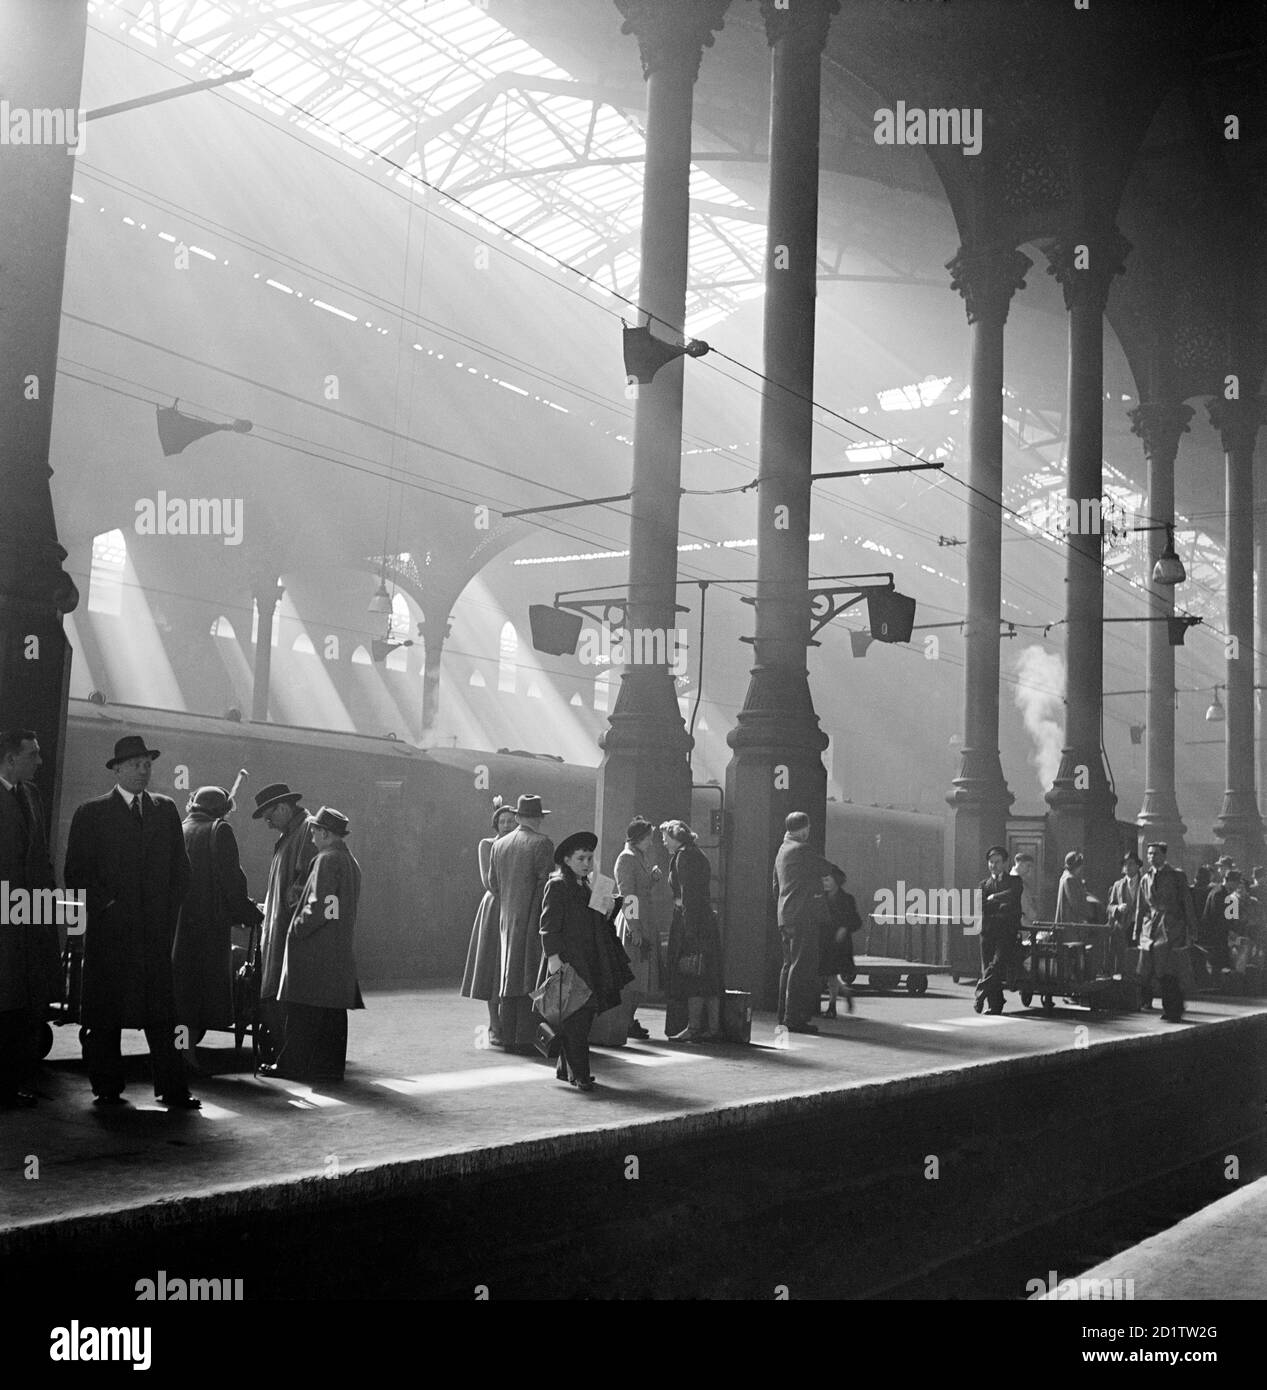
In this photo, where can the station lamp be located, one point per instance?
(1216, 714)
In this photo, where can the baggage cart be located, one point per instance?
(907, 946)
(1050, 966)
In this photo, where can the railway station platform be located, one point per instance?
(912, 1149)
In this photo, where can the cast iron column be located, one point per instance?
(646, 752)
(776, 766)
(987, 279)
(1082, 803)
(1260, 665)
(1239, 826)
(1159, 425)
(41, 67)
(267, 594)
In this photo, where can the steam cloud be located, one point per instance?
(1040, 697)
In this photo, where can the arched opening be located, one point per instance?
(507, 659)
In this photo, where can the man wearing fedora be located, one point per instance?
(202, 957)
(281, 810)
(30, 961)
(126, 850)
(517, 872)
(318, 980)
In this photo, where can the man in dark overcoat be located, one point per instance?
(1167, 927)
(202, 957)
(801, 881)
(126, 850)
(517, 872)
(30, 974)
(1001, 897)
(318, 980)
(281, 810)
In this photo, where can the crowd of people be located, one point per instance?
(162, 897)
(1183, 936)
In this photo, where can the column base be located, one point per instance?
(777, 768)
(981, 801)
(646, 767)
(1240, 827)
(1159, 819)
(1085, 819)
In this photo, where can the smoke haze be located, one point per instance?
(1040, 697)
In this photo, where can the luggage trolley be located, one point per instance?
(1052, 967)
(901, 946)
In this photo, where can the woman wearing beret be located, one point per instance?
(483, 956)
(694, 954)
(575, 934)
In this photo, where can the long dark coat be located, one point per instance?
(1166, 925)
(136, 878)
(521, 862)
(694, 926)
(293, 854)
(583, 938)
(30, 956)
(319, 967)
(202, 957)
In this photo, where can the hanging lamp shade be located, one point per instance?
(1169, 567)
(645, 354)
(176, 430)
(1216, 714)
(382, 600)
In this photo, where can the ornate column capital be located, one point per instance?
(1159, 425)
(808, 19)
(988, 279)
(1237, 421)
(672, 34)
(1085, 266)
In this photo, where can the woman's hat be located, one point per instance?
(499, 808)
(329, 819)
(580, 839)
(272, 796)
(133, 746)
(531, 807)
(215, 800)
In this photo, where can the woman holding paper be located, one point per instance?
(577, 931)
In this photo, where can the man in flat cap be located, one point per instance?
(127, 851)
(281, 810)
(202, 957)
(318, 980)
(517, 872)
(1167, 927)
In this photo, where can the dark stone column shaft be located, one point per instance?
(987, 279)
(41, 67)
(1240, 826)
(1080, 796)
(777, 742)
(646, 750)
(1159, 425)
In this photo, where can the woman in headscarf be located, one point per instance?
(638, 880)
(573, 933)
(694, 955)
(483, 956)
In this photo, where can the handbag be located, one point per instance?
(547, 1041)
(692, 965)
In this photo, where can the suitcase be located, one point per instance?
(736, 1016)
(611, 1029)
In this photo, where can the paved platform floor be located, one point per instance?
(418, 1086)
(1218, 1253)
